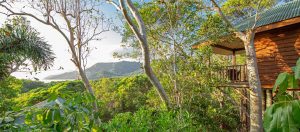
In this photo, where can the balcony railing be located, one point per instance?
(234, 74)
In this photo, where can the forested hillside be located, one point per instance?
(196, 69)
(100, 70)
(130, 104)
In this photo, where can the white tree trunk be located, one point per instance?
(85, 81)
(139, 30)
(88, 86)
(151, 75)
(256, 124)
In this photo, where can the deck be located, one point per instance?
(235, 76)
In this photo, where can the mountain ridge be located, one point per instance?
(103, 69)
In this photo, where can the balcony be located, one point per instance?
(235, 76)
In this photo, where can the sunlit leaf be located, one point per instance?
(281, 82)
(297, 69)
(293, 82)
(282, 116)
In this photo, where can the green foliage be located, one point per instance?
(283, 115)
(10, 121)
(168, 25)
(73, 114)
(125, 94)
(240, 9)
(152, 120)
(20, 42)
(65, 106)
(189, 77)
(64, 89)
(195, 81)
(128, 94)
(28, 85)
(297, 69)
(9, 89)
(213, 28)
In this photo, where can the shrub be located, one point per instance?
(73, 114)
(9, 89)
(64, 89)
(151, 120)
(119, 95)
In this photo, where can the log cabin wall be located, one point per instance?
(277, 51)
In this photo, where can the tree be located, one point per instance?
(136, 24)
(19, 42)
(238, 9)
(79, 22)
(171, 30)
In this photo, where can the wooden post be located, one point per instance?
(268, 98)
(233, 58)
(234, 68)
(264, 100)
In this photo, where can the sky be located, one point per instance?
(111, 41)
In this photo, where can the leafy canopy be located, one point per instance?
(20, 42)
(283, 115)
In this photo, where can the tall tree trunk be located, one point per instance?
(256, 124)
(88, 87)
(85, 81)
(153, 79)
(244, 110)
(254, 84)
(139, 30)
(176, 90)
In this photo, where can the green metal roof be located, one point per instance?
(276, 14)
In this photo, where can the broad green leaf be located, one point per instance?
(268, 116)
(52, 97)
(287, 120)
(293, 82)
(297, 69)
(281, 81)
(283, 116)
(47, 116)
(56, 116)
(296, 111)
(284, 97)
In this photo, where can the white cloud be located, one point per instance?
(103, 52)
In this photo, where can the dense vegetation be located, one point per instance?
(177, 92)
(130, 104)
(127, 103)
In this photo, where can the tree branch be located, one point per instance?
(114, 4)
(218, 9)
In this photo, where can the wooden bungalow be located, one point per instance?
(277, 44)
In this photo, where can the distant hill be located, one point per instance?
(99, 70)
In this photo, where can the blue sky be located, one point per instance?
(103, 53)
